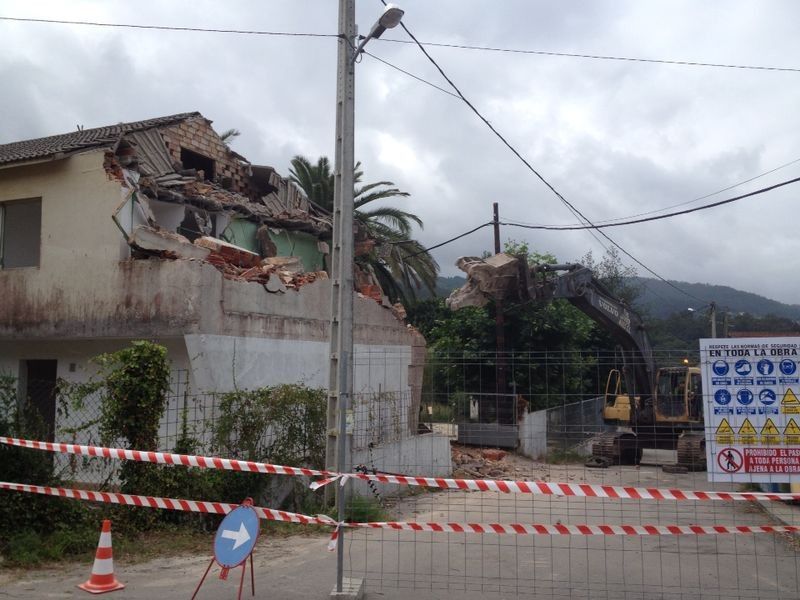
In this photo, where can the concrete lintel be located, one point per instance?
(352, 589)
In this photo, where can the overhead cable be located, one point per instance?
(173, 28)
(434, 44)
(654, 218)
(530, 167)
(683, 63)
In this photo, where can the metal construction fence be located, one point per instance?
(552, 527)
(556, 403)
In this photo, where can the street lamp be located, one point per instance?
(712, 315)
(391, 17)
(340, 375)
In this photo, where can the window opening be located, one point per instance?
(193, 160)
(20, 233)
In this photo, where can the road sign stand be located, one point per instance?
(243, 541)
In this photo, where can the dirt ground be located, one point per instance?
(398, 564)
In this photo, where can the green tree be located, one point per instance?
(400, 264)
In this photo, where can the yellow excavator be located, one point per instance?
(647, 406)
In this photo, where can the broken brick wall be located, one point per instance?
(198, 136)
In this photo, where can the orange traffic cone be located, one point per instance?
(102, 578)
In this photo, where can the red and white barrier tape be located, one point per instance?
(560, 529)
(215, 508)
(546, 488)
(479, 528)
(167, 458)
(583, 490)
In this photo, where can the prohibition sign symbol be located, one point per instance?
(730, 460)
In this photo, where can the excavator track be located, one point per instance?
(692, 451)
(618, 448)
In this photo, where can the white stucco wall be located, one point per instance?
(533, 434)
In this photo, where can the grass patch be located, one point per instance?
(365, 509)
(564, 456)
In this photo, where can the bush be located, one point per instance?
(44, 527)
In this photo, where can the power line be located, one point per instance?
(530, 167)
(683, 63)
(434, 44)
(458, 237)
(420, 79)
(658, 217)
(173, 28)
(698, 199)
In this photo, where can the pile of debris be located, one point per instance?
(276, 274)
(481, 463)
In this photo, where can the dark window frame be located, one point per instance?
(4, 205)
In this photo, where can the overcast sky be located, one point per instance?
(615, 138)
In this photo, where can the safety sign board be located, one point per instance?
(724, 433)
(751, 401)
(747, 433)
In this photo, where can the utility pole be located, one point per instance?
(713, 315)
(340, 376)
(505, 414)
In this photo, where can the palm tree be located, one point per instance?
(400, 264)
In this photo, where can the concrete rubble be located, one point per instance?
(142, 163)
(487, 278)
(235, 263)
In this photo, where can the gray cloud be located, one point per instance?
(616, 138)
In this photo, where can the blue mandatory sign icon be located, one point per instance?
(788, 366)
(766, 396)
(744, 396)
(743, 367)
(722, 397)
(720, 367)
(236, 537)
(765, 367)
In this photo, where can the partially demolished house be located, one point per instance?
(157, 229)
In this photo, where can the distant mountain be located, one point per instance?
(662, 300)
(445, 285)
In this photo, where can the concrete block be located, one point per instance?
(352, 589)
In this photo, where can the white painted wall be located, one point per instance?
(423, 455)
(533, 434)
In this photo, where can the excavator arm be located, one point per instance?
(509, 278)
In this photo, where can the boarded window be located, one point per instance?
(20, 233)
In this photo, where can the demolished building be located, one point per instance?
(157, 229)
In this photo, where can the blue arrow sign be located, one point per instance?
(236, 537)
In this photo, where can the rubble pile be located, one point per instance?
(481, 463)
(276, 274)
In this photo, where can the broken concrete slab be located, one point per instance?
(231, 253)
(165, 243)
(489, 278)
(292, 264)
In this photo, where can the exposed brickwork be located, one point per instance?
(197, 135)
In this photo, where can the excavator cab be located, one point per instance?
(617, 407)
(678, 395)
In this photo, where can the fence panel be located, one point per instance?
(563, 395)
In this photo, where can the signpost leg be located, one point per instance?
(197, 589)
(241, 580)
(252, 576)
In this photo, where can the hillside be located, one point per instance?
(660, 300)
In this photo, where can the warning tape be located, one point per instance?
(583, 490)
(546, 488)
(478, 528)
(561, 529)
(167, 458)
(214, 508)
